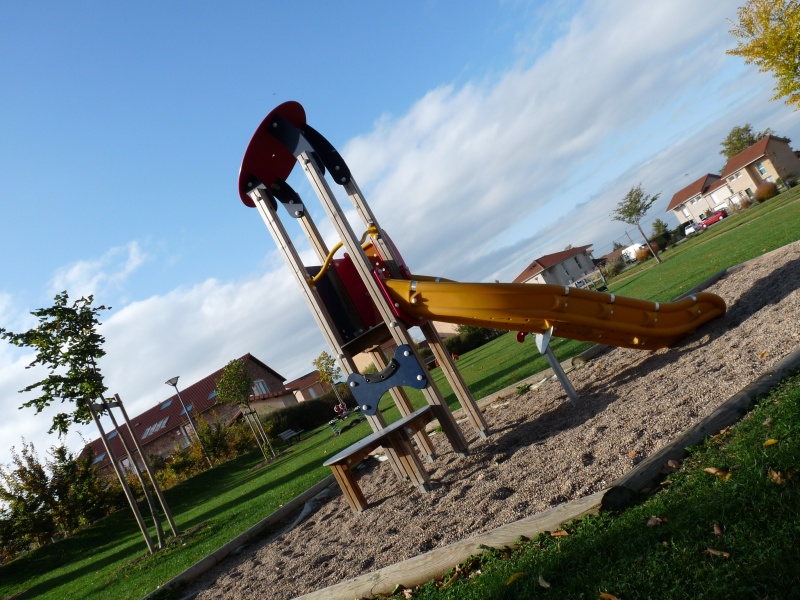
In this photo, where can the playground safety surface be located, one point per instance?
(542, 452)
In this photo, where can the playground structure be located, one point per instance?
(369, 296)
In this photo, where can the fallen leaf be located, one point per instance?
(763, 355)
(767, 422)
(653, 521)
(514, 577)
(718, 529)
(713, 552)
(770, 442)
(607, 596)
(632, 454)
(559, 533)
(720, 473)
(543, 583)
(776, 477)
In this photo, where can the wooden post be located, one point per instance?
(449, 369)
(397, 329)
(125, 488)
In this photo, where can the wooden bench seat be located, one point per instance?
(396, 436)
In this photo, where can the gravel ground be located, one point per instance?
(542, 450)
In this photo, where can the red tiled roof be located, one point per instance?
(198, 398)
(697, 187)
(304, 381)
(547, 261)
(750, 155)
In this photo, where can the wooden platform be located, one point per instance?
(397, 436)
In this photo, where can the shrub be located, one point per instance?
(616, 267)
(470, 337)
(644, 253)
(744, 203)
(766, 190)
(306, 415)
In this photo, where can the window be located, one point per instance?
(112, 435)
(260, 387)
(212, 395)
(731, 178)
(577, 262)
(166, 404)
(99, 458)
(155, 427)
(761, 169)
(738, 174)
(187, 409)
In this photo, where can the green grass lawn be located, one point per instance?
(108, 560)
(733, 533)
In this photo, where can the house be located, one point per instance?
(165, 427)
(308, 387)
(771, 159)
(689, 203)
(569, 267)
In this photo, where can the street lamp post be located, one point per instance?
(174, 383)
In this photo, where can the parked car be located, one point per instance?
(714, 217)
(693, 228)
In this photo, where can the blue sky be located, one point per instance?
(483, 135)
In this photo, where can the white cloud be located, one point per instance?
(472, 182)
(470, 172)
(110, 271)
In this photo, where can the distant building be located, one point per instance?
(568, 267)
(768, 160)
(165, 427)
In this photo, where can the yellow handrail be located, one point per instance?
(372, 230)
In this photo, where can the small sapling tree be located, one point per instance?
(328, 372)
(234, 386)
(632, 210)
(68, 346)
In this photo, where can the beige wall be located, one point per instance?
(566, 272)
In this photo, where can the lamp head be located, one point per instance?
(173, 382)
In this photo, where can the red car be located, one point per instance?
(715, 216)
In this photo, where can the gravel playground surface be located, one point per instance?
(541, 452)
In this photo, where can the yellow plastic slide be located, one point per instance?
(572, 312)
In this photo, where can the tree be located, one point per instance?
(660, 228)
(617, 246)
(234, 387)
(328, 371)
(741, 138)
(54, 498)
(68, 345)
(769, 37)
(632, 210)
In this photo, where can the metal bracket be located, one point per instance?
(543, 345)
(403, 369)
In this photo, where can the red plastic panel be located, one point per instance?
(266, 158)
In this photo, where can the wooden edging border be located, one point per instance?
(620, 493)
(255, 532)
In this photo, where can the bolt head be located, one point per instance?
(420, 378)
(352, 384)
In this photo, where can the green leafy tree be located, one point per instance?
(741, 138)
(68, 346)
(56, 497)
(617, 246)
(234, 386)
(660, 227)
(328, 371)
(768, 34)
(25, 489)
(632, 210)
